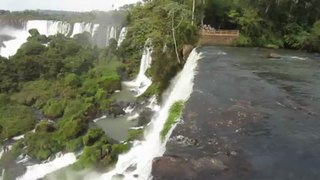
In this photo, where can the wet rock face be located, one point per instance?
(274, 55)
(184, 141)
(118, 177)
(186, 50)
(179, 168)
(145, 117)
(116, 109)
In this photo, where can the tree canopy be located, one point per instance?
(282, 23)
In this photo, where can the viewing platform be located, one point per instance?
(217, 37)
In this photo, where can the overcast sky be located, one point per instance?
(68, 5)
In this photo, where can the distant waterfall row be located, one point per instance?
(100, 34)
(54, 27)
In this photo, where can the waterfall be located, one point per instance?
(111, 33)
(82, 27)
(95, 29)
(11, 47)
(49, 27)
(143, 152)
(2, 173)
(122, 35)
(38, 171)
(44, 27)
(142, 82)
(1, 152)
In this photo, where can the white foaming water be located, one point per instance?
(128, 109)
(95, 29)
(100, 118)
(111, 33)
(142, 153)
(122, 35)
(40, 170)
(134, 116)
(222, 53)
(44, 27)
(142, 82)
(49, 27)
(12, 46)
(79, 28)
(2, 173)
(1, 152)
(296, 58)
(18, 137)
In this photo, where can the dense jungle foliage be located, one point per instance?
(51, 90)
(168, 23)
(291, 24)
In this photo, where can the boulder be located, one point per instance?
(116, 109)
(186, 50)
(180, 168)
(274, 55)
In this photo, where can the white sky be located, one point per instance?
(68, 5)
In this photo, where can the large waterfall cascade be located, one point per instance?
(49, 28)
(84, 27)
(111, 33)
(143, 152)
(122, 36)
(141, 83)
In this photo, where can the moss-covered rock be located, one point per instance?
(73, 128)
(54, 109)
(96, 155)
(93, 135)
(45, 127)
(134, 134)
(74, 144)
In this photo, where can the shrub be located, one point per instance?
(45, 127)
(174, 113)
(41, 145)
(31, 48)
(93, 135)
(73, 128)
(74, 144)
(243, 41)
(72, 80)
(15, 120)
(134, 134)
(53, 109)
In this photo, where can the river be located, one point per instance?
(249, 117)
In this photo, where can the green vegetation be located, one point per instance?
(68, 82)
(135, 134)
(174, 114)
(15, 119)
(99, 152)
(266, 23)
(154, 20)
